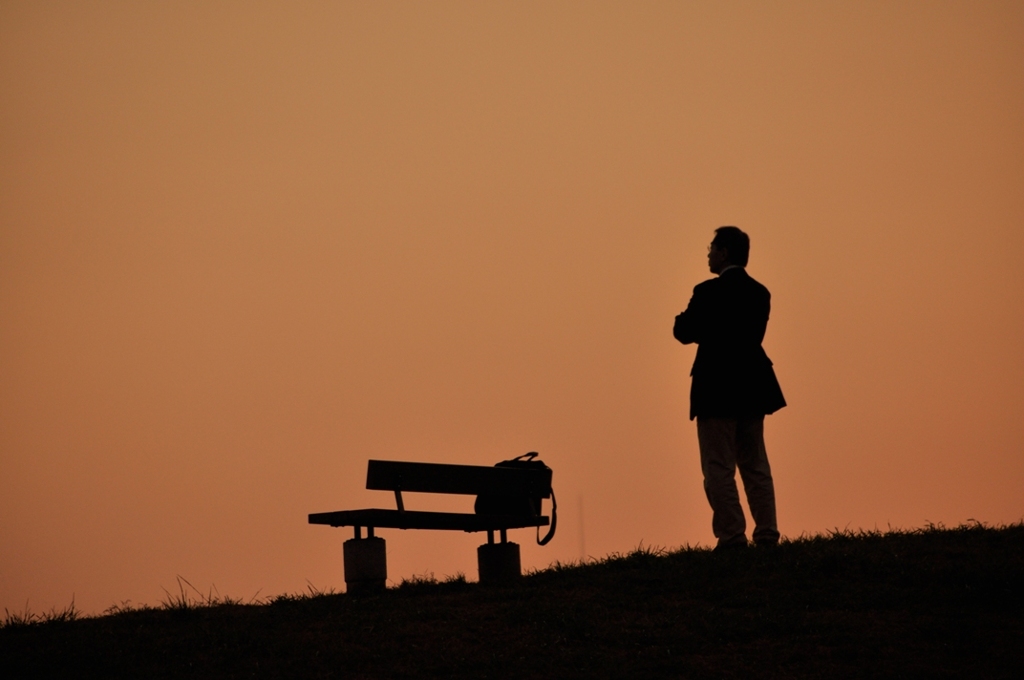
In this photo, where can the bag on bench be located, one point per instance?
(520, 506)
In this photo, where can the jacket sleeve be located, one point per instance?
(689, 324)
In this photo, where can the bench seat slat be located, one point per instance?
(414, 519)
(392, 475)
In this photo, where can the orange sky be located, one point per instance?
(245, 247)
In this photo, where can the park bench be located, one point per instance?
(507, 498)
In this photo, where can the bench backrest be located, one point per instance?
(393, 475)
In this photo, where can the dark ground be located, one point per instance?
(934, 603)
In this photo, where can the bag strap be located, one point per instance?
(526, 457)
(554, 504)
(554, 521)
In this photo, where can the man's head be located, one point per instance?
(730, 246)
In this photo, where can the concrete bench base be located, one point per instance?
(366, 565)
(498, 562)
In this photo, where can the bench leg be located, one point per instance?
(366, 565)
(498, 562)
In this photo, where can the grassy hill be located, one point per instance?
(921, 604)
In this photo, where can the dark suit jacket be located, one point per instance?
(732, 375)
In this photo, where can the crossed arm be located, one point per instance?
(704, 319)
(689, 323)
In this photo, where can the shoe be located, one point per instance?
(732, 544)
(769, 541)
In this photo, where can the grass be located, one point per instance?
(29, 618)
(934, 602)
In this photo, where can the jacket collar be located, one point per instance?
(731, 267)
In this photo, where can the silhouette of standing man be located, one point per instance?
(734, 387)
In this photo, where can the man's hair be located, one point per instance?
(735, 241)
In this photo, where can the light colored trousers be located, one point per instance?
(725, 444)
